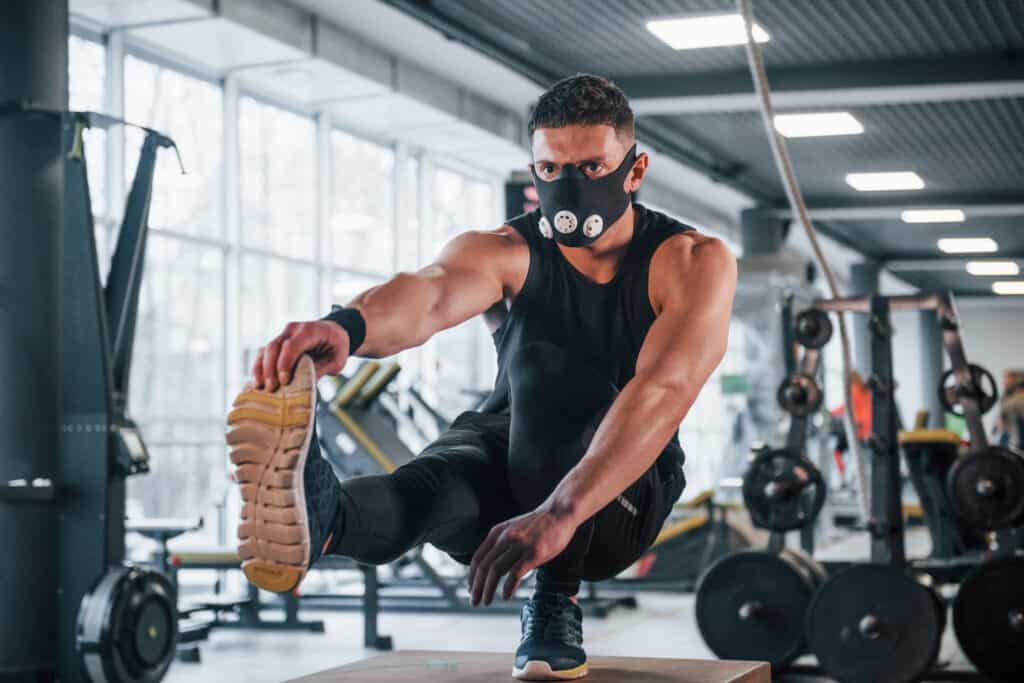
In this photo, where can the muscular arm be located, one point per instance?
(693, 280)
(475, 270)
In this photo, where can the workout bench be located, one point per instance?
(247, 610)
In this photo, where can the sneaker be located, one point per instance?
(290, 495)
(550, 649)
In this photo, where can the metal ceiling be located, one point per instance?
(609, 37)
(937, 84)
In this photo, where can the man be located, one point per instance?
(1009, 427)
(607, 318)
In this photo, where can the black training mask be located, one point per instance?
(580, 208)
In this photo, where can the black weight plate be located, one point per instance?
(986, 489)
(751, 605)
(988, 617)
(988, 390)
(812, 328)
(799, 395)
(783, 491)
(874, 623)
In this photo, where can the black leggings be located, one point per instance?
(487, 468)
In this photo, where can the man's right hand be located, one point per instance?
(326, 343)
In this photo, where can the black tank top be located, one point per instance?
(604, 324)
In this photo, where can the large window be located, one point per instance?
(362, 220)
(457, 361)
(177, 381)
(189, 110)
(278, 179)
(231, 260)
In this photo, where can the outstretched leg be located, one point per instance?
(450, 496)
(294, 508)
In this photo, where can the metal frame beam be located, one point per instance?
(849, 84)
(887, 208)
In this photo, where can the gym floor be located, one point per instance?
(662, 626)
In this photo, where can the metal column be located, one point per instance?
(34, 55)
(863, 282)
(931, 365)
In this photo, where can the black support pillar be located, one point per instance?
(863, 282)
(931, 366)
(33, 67)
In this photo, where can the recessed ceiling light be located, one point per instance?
(818, 125)
(968, 245)
(715, 30)
(1008, 287)
(993, 268)
(883, 182)
(933, 216)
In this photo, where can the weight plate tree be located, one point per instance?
(986, 489)
(875, 623)
(988, 617)
(127, 626)
(783, 491)
(752, 604)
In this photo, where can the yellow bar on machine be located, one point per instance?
(351, 388)
(379, 384)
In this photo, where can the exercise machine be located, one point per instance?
(113, 621)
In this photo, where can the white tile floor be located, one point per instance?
(662, 626)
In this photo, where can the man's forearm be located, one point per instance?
(628, 441)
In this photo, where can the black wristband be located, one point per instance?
(351, 320)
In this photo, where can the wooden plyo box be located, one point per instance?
(425, 666)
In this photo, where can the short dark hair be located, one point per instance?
(585, 100)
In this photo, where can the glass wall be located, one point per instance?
(177, 384)
(455, 358)
(232, 259)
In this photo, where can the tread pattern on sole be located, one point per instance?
(268, 435)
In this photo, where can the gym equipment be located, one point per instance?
(126, 615)
(812, 328)
(929, 454)
(988, 617)
(799, 395)
(875, 623)
(751, 605)
(783, 490)
(245, 613)
(127, 626)
(982, 388)
(987, 488)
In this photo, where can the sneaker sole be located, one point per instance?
(539, 670)
(268, 436)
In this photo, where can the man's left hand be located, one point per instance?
(514, 547)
